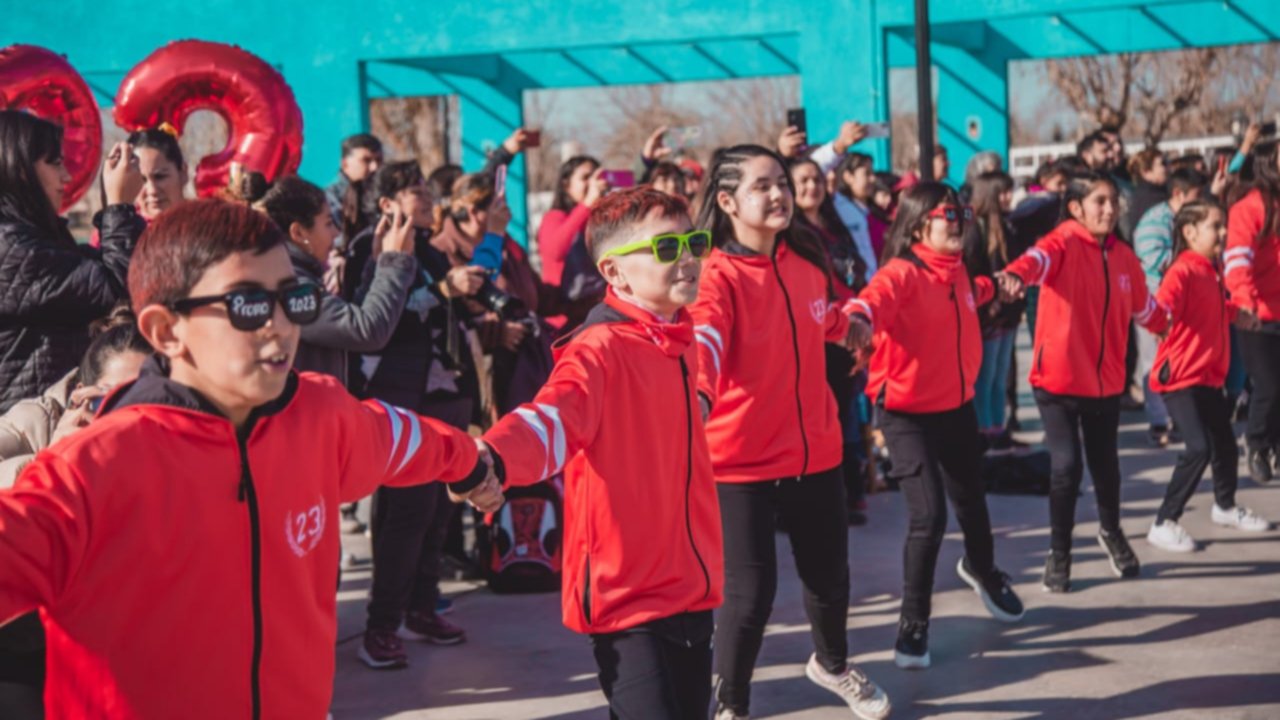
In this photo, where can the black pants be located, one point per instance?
(1065, 418)
(937, 456)
(812, 508)
(409, 526)
(659, 670)
(844, 389)
(1203, 416)
(1261, 354)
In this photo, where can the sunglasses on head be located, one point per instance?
(668, 248)
(250, 309)
(952, 213)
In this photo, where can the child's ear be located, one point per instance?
(386, 205)
(157, 324)
(297, 233)
(611, 274)
(726, 202)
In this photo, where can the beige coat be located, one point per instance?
(28, 426)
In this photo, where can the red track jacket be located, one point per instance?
(1197, 350)
(182, 571)
(1251, 262)
(928, 346)
(620, 415)
(761, 325)
(1089, 292)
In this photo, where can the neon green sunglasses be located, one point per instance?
(668, 248)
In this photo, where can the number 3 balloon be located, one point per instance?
(263, 119)
(44, 84)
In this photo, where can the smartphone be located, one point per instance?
(532, 138)
(1222, 165)
(1269, 128)
(682, 137)
(877, 130)
(500, 181)
(619, 178)
(488, 254)
(795, 119)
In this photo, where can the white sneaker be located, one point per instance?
(725, 713)
(865, 698)
(1241, 518)
(1171, 536)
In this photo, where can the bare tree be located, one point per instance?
(414, 128)
(1098, 88)
(1170, 87)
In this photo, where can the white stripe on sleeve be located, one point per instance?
(535, 423)
(394, 418)
(712, 335)
(557, 436)
(415, 437)
(709, 345)
(1239, 262)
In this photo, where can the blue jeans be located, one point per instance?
(989, 390)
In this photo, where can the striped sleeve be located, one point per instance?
(389, 445)
(1244, 225)
(538, 439)
(1040, 264)
(1147, 312)
(713, 324)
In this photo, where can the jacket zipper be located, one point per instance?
(1106, 304)
(248, 494)
(586, 589)
(795, 346)
(688, 481)
(959, 344)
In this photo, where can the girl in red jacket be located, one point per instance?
(1091, 286)
(921, 305)
(761, 319)
(578, 189)
(1189, 371)
(1252, 273)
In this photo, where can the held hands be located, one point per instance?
(655, 146)
(487, 497)
(1247, 320)
(1010, 288)
(394, 233)
(859, 336)
(121, 178)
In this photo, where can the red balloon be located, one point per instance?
(44, 83)
(264, 122)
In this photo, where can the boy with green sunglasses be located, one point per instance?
(643, 564)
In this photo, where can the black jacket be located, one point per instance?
(429, 345)
(50, 290)
(343, 326)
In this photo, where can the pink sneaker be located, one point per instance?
(430, 627)
(383, 650)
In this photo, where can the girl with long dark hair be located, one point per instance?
(1091, 286)
(772, 425)
(921, 312)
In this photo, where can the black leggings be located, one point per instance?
(812, 508)
(1261, 354)
(937, 456)
(659, 670)
(1204, 418)
(1065, 418)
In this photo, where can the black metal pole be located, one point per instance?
(924, 91)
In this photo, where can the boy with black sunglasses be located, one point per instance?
(642, 550)
(182, 548)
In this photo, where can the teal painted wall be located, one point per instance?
(842, 48)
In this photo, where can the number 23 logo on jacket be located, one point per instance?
(818, 309)
(304, 529)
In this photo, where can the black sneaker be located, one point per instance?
(1057, 572)
(912, 649)
(1260, 465)
(1123, 562)
(996, 593)
(1158, 436)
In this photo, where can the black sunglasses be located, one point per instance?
(251, 309)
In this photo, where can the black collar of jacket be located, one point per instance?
(601, 314)
(733, 247)
(302, 260)
(154, 387)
